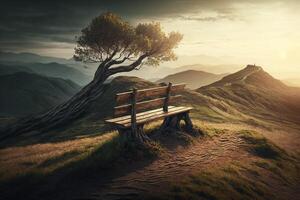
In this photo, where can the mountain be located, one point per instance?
(150, 72)
(11, 69)
(25, 57)
(24, 93)
(47, 69)
(212, 65)
(29, 58)
(216, 69)
(193, 78)
(255, 92)
(60, 71)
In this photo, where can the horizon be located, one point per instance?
(233, 70)
(232, 32)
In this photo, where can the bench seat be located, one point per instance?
(148, 116)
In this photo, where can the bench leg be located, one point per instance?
(173, 122)
(188, 121)
(138, 135)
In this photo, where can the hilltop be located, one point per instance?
(255, 92)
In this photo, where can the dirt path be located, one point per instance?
(254, 71)
(171, 167)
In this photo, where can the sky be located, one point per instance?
(262, 32)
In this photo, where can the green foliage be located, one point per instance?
(152, 40)
(108, 37)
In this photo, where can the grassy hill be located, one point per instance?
(87, 160)
(256, 93)
(193, 78)
(26, 93)
(205, 108)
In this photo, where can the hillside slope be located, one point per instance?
(193, 78)
(26, 93)
(255, 92)
(11, 69)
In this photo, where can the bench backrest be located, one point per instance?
(129, 103)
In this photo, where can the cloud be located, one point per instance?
(36, 22)
(210, 18)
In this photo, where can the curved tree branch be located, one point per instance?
(127, 68)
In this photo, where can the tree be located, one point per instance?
(110, 41)
(118, 47)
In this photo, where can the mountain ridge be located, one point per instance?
(52, 69)
(193, 78)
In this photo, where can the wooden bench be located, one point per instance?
(137, 107)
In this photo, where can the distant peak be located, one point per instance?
(254, 67)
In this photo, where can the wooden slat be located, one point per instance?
(126, 109)
(126, 117)
(124, 98)
(149, 115)
(142, 115)
(163, 115)
(160, 115)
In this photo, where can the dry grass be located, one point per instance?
(46, 157)
(85, 154)
(271, 173)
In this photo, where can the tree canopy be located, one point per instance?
(120, 47)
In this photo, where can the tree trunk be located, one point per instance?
(61, 114)
(73, 108)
